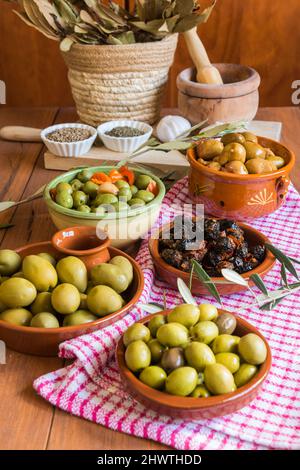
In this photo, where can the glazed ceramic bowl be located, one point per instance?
(123, 228)
(45, 342)
(195, 408)
(69, 149)
(240, 197)
(124, 144)
(169, 274)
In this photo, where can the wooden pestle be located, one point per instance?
(206, 72)
(20, 134)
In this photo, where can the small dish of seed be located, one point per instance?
(125, 131)
(69, 134)
(69, 140)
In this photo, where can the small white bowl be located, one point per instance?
(124, 144)
(69, 149)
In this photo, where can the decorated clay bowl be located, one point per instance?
(45, 341)
(195, 408)
(241, 197)
(169, 274)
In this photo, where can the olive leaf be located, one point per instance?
(284, 259)
(5, 226)
(207, 281)
(257, 280)
(185, 292)
(4, 206)
(234, 277)
(151, 308)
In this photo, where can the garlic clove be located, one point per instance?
(170, 127)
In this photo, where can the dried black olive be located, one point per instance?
(172, 257)
(225, 245)
(259, 252)
(238, 265)
(211, 229)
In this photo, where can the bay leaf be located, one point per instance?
(171, 22)
(187, 23)
(50, 12)
(66, 11)
(184, 7)
(151, 27)
(26, 20)
(66, 44)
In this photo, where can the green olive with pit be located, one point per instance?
(40, 272)
(254, 150)
(136, 202)
(233, 137)
(210, 148)
(279, 162)
(245, 373)
(136, 332)
(249, 137)
(65, 299)
(143, 181)
(155, 323)
(199, 355)
(204, 332)
(172, 335)
(182, 381)
(137, 356)
(221, 159)
(185, 314)
(218, 379)
(144, 195)
(125, 265)
(125, 194)
(108, 199)
(44, 320)
(42, 303)
(122, 184)
(226, 322)
(79, 317)
(64, 187)
(207, 312)
(84, 175)
(106, 274)
(103, 300)
(76, 185)
(200, 392)
(10, 262)
(17, 292)
(91, 189)
(72, 270)
(252, 349)
(154, 377)
(229, 360)
(236, 167)
(259, 166)
(16, 316)
(64, 199)
(156, 350)
(225, 343)
(79, 199)
(235, 152)
(172, 359)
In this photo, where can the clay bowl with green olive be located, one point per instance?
(125, 202)
(47, 297)
(193, 362)
(241, 176)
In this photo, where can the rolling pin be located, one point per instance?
(20, 134)
(206, 72)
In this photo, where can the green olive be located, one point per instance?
(136, 332)
(125, 194)
(84, 208)
(269, 152)
(200, 392)
(204, 332)
(172, 335)
(64, 187)
(260, 166)
(2, 307)
(107, 274)
(236, 167)
(225, 343)
(40, 272)
(42, 303)
(245, 373)
(229, 360)
(137, 356)
(79, 199)
(156, 350)
(233, 137)
(16, 316)
(208, 312)
(76, 185)
(64, 199)
(226, 322)
(91, 189)
(135, 203)
(252, 349)
(79, 317)
(108, 199)
(250, 137)
(210, 148)
(83, 301)
(199, 355)
(103, 300)
(218, 379)
(125, 265)
(18, 274)
(133, 189)
(154, 377)
(72, 270)
(254, 150)
(235, 152)
(17, 292)
(155, 323)
(122, 184)
(182, 381)
(10, 262)
(222, 159)
(44, 320)
(185, 314)
(145, 196)
(279, 162)
(84, 175)
(172, 359)
(65, 299)
(143, 181)
(214, 165)
(48, 257)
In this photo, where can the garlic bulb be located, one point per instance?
(170, 127)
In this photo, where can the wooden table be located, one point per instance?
(27, 421)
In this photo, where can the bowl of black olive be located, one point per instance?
(215, 244)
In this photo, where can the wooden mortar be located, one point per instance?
(236, 100)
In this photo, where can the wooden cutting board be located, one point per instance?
(173, 160)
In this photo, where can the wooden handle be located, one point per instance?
(206, 72)
(20, 134)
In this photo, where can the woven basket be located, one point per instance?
(119, 82)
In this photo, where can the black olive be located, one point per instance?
(259, 252)
(238, 265)
(242, 250)
(172, 257)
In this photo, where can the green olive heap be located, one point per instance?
(118, 191)
(193, 352)
(42, 292)
(238, 153)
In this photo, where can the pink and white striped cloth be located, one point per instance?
(91, 387)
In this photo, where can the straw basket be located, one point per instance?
(120, 82)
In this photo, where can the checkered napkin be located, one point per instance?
(92, 389)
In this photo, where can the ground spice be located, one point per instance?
(69, 134)
(125, 131)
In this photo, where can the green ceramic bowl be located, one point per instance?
(123, 228)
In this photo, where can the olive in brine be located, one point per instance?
(210, 148)
(233, 137)
(235, 152)
(254, 150)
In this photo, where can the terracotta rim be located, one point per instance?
(262, 268)
(103, 244)
(70, 329)
(190, 403)
(241, 178)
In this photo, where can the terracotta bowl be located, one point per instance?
(240, 197)
(236, 100)
(45, 342)
(195, 408)
(169, 274)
